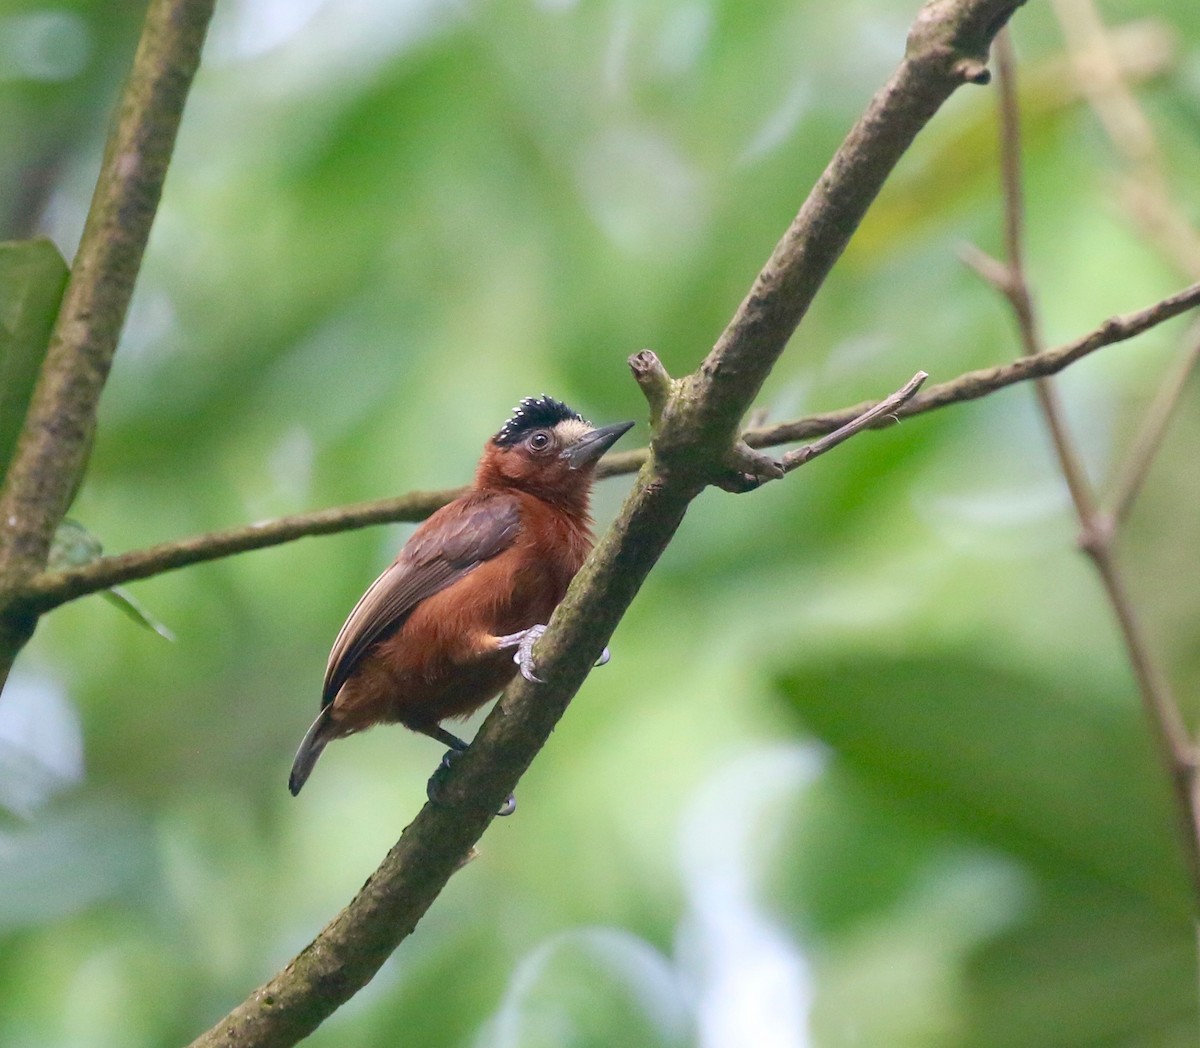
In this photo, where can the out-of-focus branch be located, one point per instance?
(1016, 287)
(1136, 466)
(1097, 528)
(51, 589)
(57, 435)
(1101, 71)
(1097, 55)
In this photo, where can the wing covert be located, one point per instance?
(448, 546)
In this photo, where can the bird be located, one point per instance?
(433, 638)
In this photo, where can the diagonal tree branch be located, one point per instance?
(947, 46)
(697, 423)
(50, 589)
(56, 439)
(1016, 287)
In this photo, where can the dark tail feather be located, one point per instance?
(310, 749)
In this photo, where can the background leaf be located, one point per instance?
(1044, 819)
(74, 546)
(32, 278)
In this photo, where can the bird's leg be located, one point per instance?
(445, 738)
(457, 746)
(524, 642)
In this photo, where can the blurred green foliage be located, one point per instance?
(32, 277)
(868, 766)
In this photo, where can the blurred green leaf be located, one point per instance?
(32, 278)
(1086, 965)
(1040, 814)
(74, 546)
(125, 601)
(1067, 781)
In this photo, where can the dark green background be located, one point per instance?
(868, 766)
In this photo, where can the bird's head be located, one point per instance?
(548, 450)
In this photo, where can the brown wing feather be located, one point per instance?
(450, 544)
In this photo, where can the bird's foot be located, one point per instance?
(434, 788)
(523, 642)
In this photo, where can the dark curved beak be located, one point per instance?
(587, 449)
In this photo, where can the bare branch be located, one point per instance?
(990, 270)
(885, 409)
(53, 588)
(1097, 529)
(1096, 54)
(783, 291)
(1016, 288)
(980, 383)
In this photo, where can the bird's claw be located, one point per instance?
(433, 788)
(524, 655)
(524, 642)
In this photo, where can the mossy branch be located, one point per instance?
(697, 428)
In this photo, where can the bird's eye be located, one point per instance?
(540, 441)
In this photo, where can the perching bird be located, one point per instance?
(432, 637)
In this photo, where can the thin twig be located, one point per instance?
(990, 270)
(1017, 287)
(884, 409)
(985, 381)
(50, 589)
(1134, 469)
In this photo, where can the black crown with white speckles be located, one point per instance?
(535, 413)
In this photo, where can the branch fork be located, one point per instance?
(741, 468)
